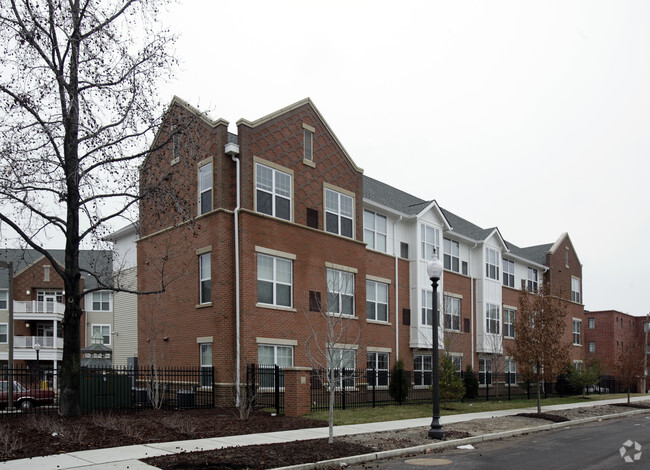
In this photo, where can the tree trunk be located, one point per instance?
(332, 388)
(539, 395)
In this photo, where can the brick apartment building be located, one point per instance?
(277, 231)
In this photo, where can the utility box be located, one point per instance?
(104, 390)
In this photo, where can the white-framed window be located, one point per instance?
(508, 273)
(577, 365)
(592, 346)
(427, 308)
(340, 292)
(452, 313)
(510, 370)
(104, 330)
(457, 361)
(577, 325)
(205, 360)
(484, 371)
(274, 281)
(575, 290)
(422, 369)
(339, 213)
(533, 280)
(376, 301)
(273, 192)
(492, 319)
(491, 263)
(269, 356)
(205, 188)
(343, 361)
(4, 333)
(308, 138)
(205, 279)
(375, 227)
(378, 362)
(592, 323)
(508, 322)
(46, 300)
(451, 251)
(3, 300)
(429, 241)
(101, 301)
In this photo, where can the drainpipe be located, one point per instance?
(395, 252)
(233, 150)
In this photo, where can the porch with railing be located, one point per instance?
(25, 307)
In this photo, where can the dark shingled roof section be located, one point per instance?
(99, 262)
(535, 253)
(467, 228)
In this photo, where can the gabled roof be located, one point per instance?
(96, 261)
(558, 242)
(535, 253)
(392, 198)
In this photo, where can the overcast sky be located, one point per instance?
(529, 116)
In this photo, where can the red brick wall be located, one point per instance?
(611, 333)
(460, 342)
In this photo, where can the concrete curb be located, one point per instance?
(386, 454)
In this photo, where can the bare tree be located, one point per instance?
(538, 350)
(77, 113)
(630, 366)
(332, 346)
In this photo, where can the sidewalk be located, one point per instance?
(128, 456)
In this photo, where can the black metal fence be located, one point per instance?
(110, 389)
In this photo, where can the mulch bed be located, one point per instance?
(545, 416)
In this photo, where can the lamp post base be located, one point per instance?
(436, 431)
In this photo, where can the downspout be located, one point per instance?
(233, 150)
(395, 252)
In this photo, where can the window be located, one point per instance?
(205, 278)
(3, 300)
(269, 356)
(374, 230)
(576, 332)
(47, 299)
(308, 136)
(577, 365)
(492, 264)
(532, 280)
(457, 362)
(403, 250)
(339, 213)
(510, 370)
(427, 308)
(377, 301)
(377, 362)
(101, 301)
(592, 346)
(343, 361)
(508, 323)
(104, 330)
(273, 192)
(422, 369)
(452, 313)
(508, 273)
(429, 241)
(492, 319)
(451, 255)
(274, 281)
(340, 292)
(205, 353)
(205, 188)
(485, 371)
(575, 289)
(4, 333)
(46, 273)
(592, 323)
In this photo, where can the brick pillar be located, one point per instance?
(297, 388)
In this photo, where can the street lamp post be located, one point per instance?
(37, 348)
(434, 270)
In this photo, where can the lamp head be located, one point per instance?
(434, 267)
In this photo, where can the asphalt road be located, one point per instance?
(595, 445)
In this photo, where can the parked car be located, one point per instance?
(25, 398)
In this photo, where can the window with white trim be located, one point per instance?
(575, 290)
(376, 301)
(510, 370)
(340, 292)
(492, 319)
(339, 213)
(205, 188)
(4, 333)
(577, 365)
(484, 371)
(274, 281)
(269, 356)
(427, 308)
(273, 192)
(592, 323)
(101, 301)
(451, 251)
(491, 264)
(429, 241)
(508, 273)
(452, 313)
(592, 346)
(457, 362)
(422, 369)
(378, 363)
(205, 361)
(3, 300)
(577, 326)
(308, 137)
(104, 330)
(533, 280)
(46, 300)
(508, 322)
(375, 228)
(343, 361)
(205, 278)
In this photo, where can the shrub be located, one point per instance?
(451, 385)
(399, 386)
(471, 383)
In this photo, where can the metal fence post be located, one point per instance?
(374, 386)
(277, 388)
(343, 387)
